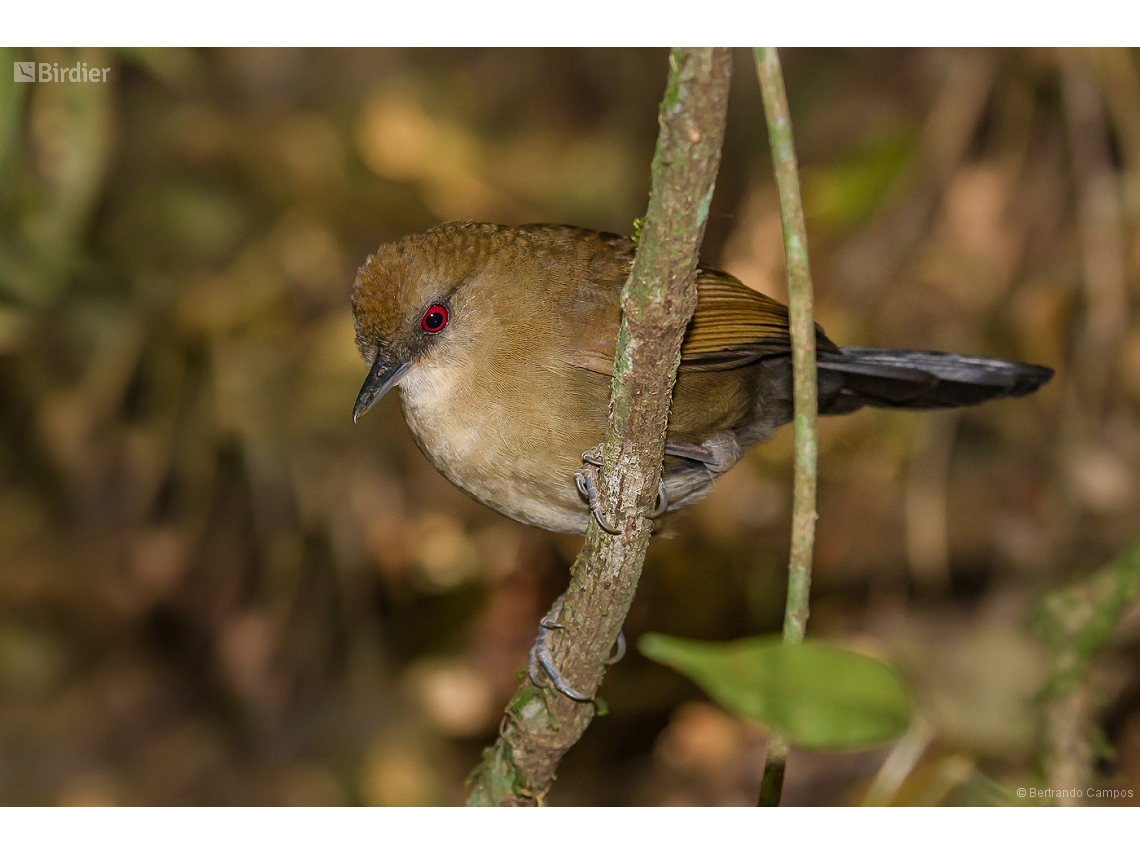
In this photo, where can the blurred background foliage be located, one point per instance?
(215, 589)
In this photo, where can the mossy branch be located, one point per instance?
(802, 324)
(1075, 623)
(657, 301)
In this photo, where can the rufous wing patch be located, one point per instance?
(732, 326)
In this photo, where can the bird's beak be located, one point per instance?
(382, 376)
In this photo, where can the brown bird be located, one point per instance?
(501, 341)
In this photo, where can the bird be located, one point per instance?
(501, 343)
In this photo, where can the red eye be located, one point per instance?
(434, 319)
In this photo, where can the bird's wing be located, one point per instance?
(732, 326)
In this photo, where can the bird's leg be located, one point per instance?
(718, 453)
(541, 663)
(540, 656)
(540, 660)
(584, 478)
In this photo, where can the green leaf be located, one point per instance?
(820, 695)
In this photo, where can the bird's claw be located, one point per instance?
(619, 653)
(584, 478)
(662, 501)
(540, 662)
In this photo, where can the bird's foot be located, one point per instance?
(541, 663)
(584, 478)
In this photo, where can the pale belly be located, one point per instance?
(519, 462)
(518, 454)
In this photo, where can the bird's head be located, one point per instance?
(409, 301)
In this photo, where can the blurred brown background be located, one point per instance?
(215, 589)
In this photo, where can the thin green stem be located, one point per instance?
(772, 785)
(802, 327)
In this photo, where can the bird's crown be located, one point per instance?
(402, 279)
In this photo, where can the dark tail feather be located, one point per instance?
(919, 379)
